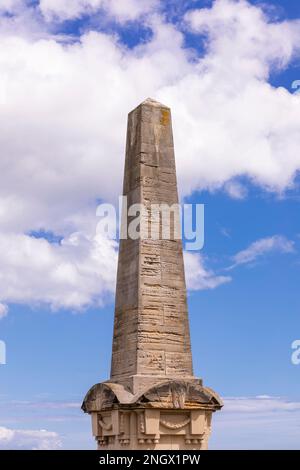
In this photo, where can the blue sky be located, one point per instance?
(56, 321)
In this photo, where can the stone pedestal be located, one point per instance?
(172, 415)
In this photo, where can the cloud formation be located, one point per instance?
(12, 439)
(259, 248)
(260, 423)
(10, 6)
(68, 275)
(198, 276)
(260, 404)
(63, 124)
(3, 310)
(121, 10)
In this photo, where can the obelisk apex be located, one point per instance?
(152, 400)
(151, 330)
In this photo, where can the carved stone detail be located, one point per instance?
(170, 425)
(103, 425)
(141, 422)
(124, 442)
(193, 441)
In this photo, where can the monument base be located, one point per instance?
(152, 429)
(171, 415)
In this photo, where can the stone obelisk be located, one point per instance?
(152, 400)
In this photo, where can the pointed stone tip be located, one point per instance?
(152, 102)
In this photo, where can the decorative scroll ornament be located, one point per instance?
(103, 425)
(170, 425)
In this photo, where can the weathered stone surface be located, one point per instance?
(152, 400)
(151, 331)
(170, 415)
(171, 394)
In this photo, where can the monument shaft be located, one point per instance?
(152, 400)
(151, 331)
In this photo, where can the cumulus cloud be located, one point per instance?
(63, 126)
(3, 310)
(262, 422)
(260, 404)
(237, 123)
(257, 249)
(57, 165)
(45, 405)
(10, 6)
(121, 10)
(198, 276)
(68, 275)
(21, 17)
(235, 190)
(12, 439)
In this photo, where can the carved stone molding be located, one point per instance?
(193, 441)
(124, 442)
(148, 441)
(153, 429)
(170, 425)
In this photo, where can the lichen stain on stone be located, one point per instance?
(165, 117)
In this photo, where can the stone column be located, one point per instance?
(151, 330)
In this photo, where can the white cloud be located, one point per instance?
(235, 190)
(67, 427)
(259, 404)
(122, 10)
(50, 405)
(276, 243)
(3, 310)
(22, 19)
(11, 6)
(57, 405)
(68, 9)
(260, 423)
(70, 275)
(11, 439)
(236, 122)
(63, 126)
(130, 9)
(198, 277)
